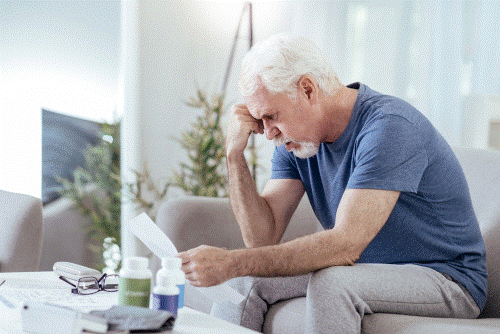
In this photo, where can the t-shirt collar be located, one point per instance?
(339, 143)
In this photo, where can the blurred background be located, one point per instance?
(139, 61)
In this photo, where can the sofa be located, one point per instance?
(192, 221)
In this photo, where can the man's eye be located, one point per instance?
(270, 117)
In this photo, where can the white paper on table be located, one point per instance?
(17, 291)
(146, 230)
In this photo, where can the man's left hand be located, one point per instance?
(207, 265)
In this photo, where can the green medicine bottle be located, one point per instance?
(135, 282)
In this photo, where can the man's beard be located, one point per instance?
(304, 151)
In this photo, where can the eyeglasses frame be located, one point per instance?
(76, 290)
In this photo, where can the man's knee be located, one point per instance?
(271, 289)
(337, 277)
(247, 284)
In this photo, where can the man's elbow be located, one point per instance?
(351, 253)
(261, 241)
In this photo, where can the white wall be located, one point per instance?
(184, 44)
(59, 55)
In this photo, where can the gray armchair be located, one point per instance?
(192, 221)
(21, 232)
(65, 236)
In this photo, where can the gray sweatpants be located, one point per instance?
(337, 298)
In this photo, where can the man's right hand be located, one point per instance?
(241, 124)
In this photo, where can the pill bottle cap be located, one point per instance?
(171, 263)
(166, 280)
(136, 263)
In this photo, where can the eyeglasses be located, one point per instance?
(90, 285)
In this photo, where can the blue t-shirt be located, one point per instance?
(390, 145)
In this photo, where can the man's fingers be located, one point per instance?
(241, 110)
(191, 276)
(204, 265)
(255, 128)
(241, 125)
(239, 106)
(195, 284)
(244, 117)
(183, 256)
(194, 279)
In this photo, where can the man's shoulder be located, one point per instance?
(378, 108)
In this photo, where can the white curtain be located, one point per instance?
(436, 55)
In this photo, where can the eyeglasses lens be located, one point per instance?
(87, 285)
(110, 283)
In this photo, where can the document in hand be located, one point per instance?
(146, 230)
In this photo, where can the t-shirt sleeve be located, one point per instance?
(390, 155)
(283, 166)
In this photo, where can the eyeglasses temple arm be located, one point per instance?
(102, 277)
(62, 278)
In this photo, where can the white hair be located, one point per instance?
(278, 63)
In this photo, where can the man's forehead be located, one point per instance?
(259, 103)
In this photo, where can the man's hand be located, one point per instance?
(207, 266)
(240, 125)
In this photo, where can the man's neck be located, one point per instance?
(337, 112)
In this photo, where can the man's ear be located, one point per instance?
(308, 87)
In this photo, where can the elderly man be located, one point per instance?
(400, 232)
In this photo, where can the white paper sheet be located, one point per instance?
(15, 292)
(146, 230)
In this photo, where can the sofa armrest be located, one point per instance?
(65, 231)
(65, 236)
(21, 235)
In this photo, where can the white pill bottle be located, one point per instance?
(172, 266)
(134, 286)
(165, 294)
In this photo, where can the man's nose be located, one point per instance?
(270, 130)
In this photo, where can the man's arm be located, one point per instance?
(360, 216)
(262, 219)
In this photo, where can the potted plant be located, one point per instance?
(103, 203)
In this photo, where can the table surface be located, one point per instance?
(188, 320)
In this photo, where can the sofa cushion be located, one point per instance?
(288, 317)
(380, 323)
